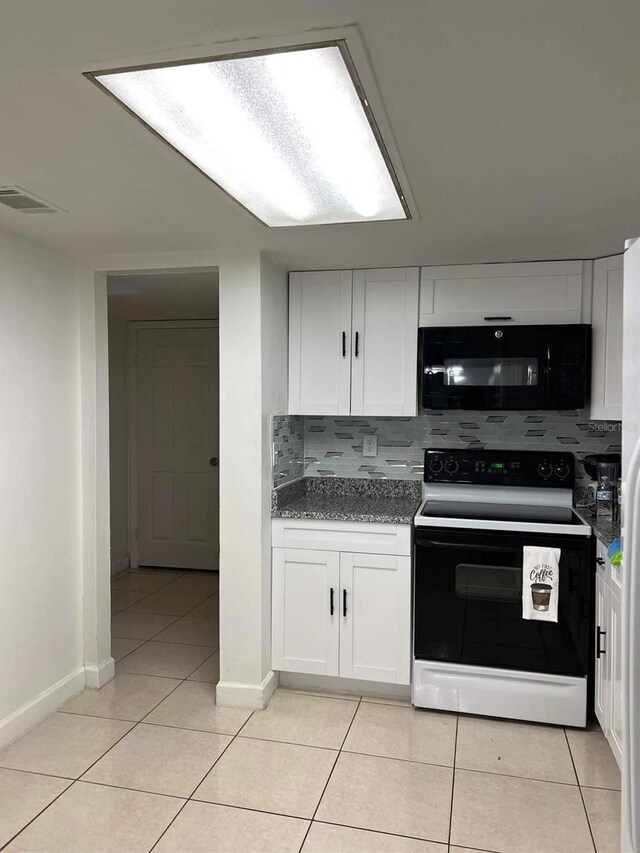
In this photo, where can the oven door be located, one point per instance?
(468, 602)
(517, 367)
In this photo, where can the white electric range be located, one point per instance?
(473, 651)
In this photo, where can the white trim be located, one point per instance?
(349, 686)
(132, 392)
(254, 696)
(33, 712)
(120, 565)
(98, 676)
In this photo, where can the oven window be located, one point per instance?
(488, 583)
(491, 372)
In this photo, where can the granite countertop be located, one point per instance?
(606, 529)
(348, 499)
(379, 500)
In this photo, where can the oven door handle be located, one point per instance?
(467, 546)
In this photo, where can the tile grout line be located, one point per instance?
(333, 767)
(177, 618)
(453, 780)
(584, 805)
(203, 600)
(35, 817)
(190, 798)
(74, 781)
(391, 833)
(84, 772)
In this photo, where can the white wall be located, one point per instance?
(40, 499)
(274, 291)
(253, 322)
(118, 444)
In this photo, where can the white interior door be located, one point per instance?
(177, 447)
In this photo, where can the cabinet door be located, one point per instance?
(384, 342)
(304, 631)
(614, 652)
(320, 343)
(606, 318)
(602, 698)
(479, 294)
(375, 617)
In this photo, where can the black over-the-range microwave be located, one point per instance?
(505, 367)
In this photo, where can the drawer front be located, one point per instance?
(362, 538)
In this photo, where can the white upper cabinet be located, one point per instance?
(320, 342)
(479, 294)
(385, 342)
(353, 342)
(606, 318)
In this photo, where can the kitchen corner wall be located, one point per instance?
(332, 446)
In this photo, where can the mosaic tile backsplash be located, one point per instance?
(288, 448)
(332, 446)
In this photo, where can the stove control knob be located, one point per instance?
(451, 466)
(561, 470)
(435, 466)
(545, 470)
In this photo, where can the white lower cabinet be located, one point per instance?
(615, 675)
(602, 687)
(340, 612)
(304, 622)
(375, 623)
(608, 670)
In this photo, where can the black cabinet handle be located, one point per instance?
(344, 602)
(357, 343)
(599, 650)
(600, 561)
(344, 344)
(504, 319)
(331, 607)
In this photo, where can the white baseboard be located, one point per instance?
(30, 714)
(240, 695)
(348, 686)
(98, 675)
(120, 565)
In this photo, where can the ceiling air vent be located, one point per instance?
(19, 199)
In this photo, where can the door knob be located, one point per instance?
(214, 461)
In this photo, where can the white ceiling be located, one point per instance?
(164, 296)
(518, 124)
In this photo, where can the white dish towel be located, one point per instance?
(540, 583)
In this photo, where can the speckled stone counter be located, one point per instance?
(348, 499)
(606, 529)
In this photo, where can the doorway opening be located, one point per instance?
(164, 472)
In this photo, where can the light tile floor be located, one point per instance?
(151, 763)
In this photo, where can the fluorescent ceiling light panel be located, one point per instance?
(285, 133)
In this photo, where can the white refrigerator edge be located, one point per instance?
(630, 835)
